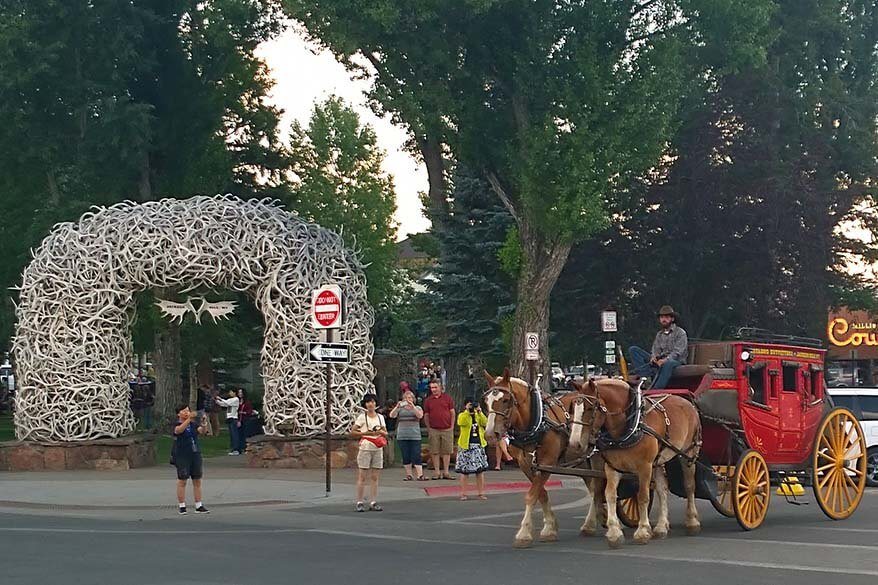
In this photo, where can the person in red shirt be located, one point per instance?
(439, 417)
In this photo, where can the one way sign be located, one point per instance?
(332, 353)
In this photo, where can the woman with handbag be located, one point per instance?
(372, 431)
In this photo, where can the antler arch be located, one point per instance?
(73, 342)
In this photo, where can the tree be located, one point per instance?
(557, 104)
(338, 183)
(107, 101)
(750, 221)
(469, 294)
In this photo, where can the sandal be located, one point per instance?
(483, 497)
(422, 478)
(435, 477)
(407, 478)
(463, 498)
(449, 477)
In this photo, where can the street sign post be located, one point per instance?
(327, 315)
(531, 353)
(608, 322)
(329, 353)
(326, 307)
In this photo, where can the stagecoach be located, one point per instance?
(768, 425)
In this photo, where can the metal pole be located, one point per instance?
(326, 444)
(530, 372)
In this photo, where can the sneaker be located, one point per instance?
(361, 507)
(233, 453)
(182, 511)
(375, 507)
(202, 510)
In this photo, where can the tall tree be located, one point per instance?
(338, 183)
(555, 103)
(751, 222)
(107, 101)
(469, 294)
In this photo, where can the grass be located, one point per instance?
(7, 432)
(210, 446)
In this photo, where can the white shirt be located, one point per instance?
(231, 406)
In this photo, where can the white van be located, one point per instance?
(863, 402)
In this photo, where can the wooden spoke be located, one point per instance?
(839, 478)
(752, 489)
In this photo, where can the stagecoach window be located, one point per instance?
(815, 384)
(756, 378)
(790, 377)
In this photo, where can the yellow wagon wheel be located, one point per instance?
(751, 490)
(839, 464)
(628, 511)
(725, 477)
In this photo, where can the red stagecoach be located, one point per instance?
(767, 423)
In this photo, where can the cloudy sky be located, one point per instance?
(303, 75)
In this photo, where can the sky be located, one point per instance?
(303, 74)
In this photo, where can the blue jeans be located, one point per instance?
(234, 440)
(639, 359)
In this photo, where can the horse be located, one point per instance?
(668, 426)
(539, 436)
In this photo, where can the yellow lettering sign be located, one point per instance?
(842, 333)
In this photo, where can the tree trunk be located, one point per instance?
(167, 363)
(457, 384)
(543, 258)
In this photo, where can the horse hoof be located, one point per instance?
(616, 543)
(548, 538)
(521, 543)
(693, 530)
(660, 534)
(586, 532)
(642, 538)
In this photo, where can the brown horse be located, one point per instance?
(605, 406)
(508, 404)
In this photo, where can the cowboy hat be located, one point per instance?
(667, 310)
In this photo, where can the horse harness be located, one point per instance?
(640, 406)
(540, 422)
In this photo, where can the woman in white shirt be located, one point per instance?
(231, 404)
(372, 431)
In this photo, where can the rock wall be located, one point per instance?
(102, 454)
(305, 453)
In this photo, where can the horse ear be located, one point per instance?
(506, 375)
(489, 378)
(592, 386)
(576, 385)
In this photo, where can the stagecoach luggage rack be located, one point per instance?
(757, 335)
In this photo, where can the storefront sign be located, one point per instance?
(842, 333)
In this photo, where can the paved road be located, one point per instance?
(422, 541)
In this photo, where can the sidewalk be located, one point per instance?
(227, 482)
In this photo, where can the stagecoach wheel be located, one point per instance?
(725, 477)
(751, 490)
(628, 511)
(839, 464)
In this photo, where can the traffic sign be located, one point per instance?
(326, 307)
(531, 346)
(329, 353)
(610, 345)
(608, 322)
(610, 358)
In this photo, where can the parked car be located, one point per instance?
(558, 378)
(863, 402)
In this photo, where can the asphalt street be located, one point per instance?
(425, 541)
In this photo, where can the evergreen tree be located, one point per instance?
(469, 295)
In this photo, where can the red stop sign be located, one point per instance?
(327, 308)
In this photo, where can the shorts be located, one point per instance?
(189, 467)
(370, 459)
(441, 441)
(410, 450)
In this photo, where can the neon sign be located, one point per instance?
(842, 333)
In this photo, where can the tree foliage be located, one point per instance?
(558, 104)
(338, 182)
(106, 101)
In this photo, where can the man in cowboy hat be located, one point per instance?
(669, 350)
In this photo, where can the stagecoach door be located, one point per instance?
(790, 405)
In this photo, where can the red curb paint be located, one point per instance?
(509, 486)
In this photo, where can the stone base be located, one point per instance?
(305, 453)
(103, 454)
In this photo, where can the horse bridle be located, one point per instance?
(514, 402)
